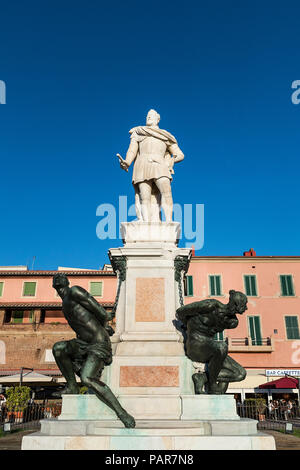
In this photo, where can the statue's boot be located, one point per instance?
(199, 379)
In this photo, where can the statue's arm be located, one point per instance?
(203, 307)
(178, 155)
(87, 301)
(132, 151)
(231, 322)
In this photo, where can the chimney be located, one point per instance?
(251, 252)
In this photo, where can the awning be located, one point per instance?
(27, 377)
(284, 382)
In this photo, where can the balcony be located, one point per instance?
(246, 344)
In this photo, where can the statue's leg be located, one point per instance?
(63, 353)
(199, 380)
(231, 371)
(155, 204)
(164, 186)
(90, 374)
(137, 200)
(145, 189)
(215, 363)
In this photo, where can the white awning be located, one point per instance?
(26, 378)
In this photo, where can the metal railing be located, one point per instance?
(28, 417)
(272, 416)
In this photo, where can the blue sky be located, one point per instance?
(80, 74)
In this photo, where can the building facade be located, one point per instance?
(266, 341)
(31, 318)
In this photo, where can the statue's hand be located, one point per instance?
(124, 166)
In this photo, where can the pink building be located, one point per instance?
(31, 318)
(266, 341)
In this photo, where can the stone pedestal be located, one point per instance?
(150, 373)
(149, 357)
(194, 423)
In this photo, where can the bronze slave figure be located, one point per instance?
(88, 353)
(202, 320)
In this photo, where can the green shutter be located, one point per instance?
(218, 285)
(292, 328)
(29, 289)
(255, 331)
(96, 289)
(247, 285)
(253, 285)
(289, 282)
(215, 285)
(189, 286)
(212, 285)
(287, 287)
(1, 288)
(250, 285)
(283, 285)
(17, 316)
(219, 336)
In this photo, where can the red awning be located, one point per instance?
(284, 382)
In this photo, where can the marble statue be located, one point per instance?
(88, 353)
(154, 152)
(202, 320)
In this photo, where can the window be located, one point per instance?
(215, 285)
(29, 289)
(96, 289)
(250, 285)
(17, 316)
(255, 331)
(219, 336)
(292, 329)
(1, 288)
(286, 282)
(189, 287)
(21, 316)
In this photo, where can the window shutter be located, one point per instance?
(17, 316)
(247, 285)
(29, 288)
(218, 285)
(96, 289)
(290, 288)
(253, 285)
(212, 285)
(190, 286)
(1, 288)
(292, 328)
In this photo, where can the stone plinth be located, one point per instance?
(148, 435)
(151, 406)
(150, 232)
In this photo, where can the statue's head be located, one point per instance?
(238, 301)
(153, 118)
(60, 280)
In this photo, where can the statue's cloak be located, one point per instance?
(141, 132)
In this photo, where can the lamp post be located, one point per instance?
(21, 374)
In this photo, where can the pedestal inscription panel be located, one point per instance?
(150, 299)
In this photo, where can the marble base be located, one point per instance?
(155, 407)
(148, 435)
(136, 231)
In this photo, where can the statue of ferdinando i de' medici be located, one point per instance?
(154, 152)
(88, 353)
